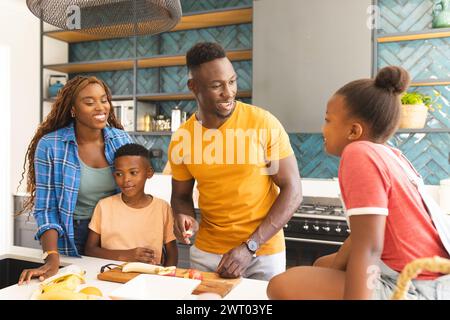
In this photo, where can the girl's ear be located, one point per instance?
(356, 131)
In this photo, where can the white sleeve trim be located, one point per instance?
(367, 210)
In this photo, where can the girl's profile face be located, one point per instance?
(337, 127)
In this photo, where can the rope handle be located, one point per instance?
(414, 268)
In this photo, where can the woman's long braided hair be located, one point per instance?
(59, 117)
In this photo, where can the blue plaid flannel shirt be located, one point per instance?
(57, 169)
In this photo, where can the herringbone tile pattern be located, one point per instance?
(229, 37)
(119, 82)
(312, 160)
(148, 80)
(405, 15)
(100, 50)
(426, 60)
(429, 153)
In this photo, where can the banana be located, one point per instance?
(63, 295)
(62, 286)
(140, 267)
(68, 282)
(63, 275)
(148, 268)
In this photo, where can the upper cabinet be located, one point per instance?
(303, 51)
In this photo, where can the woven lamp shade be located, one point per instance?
(113, 18)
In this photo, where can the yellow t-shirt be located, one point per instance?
(122, 228)
(231, 167)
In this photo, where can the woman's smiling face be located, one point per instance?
(92, 107)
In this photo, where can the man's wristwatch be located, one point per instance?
(252, 246)
(47, 253)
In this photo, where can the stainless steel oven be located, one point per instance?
(317, 228)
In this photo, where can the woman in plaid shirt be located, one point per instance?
(70, 163)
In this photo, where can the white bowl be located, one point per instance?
(155, 287)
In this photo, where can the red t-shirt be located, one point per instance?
(371, 182)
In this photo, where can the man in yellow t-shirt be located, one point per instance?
(246, 173)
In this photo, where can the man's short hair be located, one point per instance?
(134, 149)
(203, 52)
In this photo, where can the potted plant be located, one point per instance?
(415, 106)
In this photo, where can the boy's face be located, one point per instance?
(131, 173)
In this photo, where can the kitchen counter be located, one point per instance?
(247, 289)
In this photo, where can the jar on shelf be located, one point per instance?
(160, 123)
(167, 125)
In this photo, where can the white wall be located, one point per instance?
(19, 29)
(19, 32)
(5, 198)
(303, 51)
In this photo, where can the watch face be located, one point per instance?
(252, 245)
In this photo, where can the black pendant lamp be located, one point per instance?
(111, 18)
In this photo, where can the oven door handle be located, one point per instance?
(335, 243)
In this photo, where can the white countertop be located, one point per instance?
(247, 289)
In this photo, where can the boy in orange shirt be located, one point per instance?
(132, 226)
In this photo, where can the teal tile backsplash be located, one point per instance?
(405, 15)
(426, 60)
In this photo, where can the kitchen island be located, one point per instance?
(247, 289)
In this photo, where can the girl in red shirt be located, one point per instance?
(391, 218)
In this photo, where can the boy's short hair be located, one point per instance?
(134, 149)
(203, 52)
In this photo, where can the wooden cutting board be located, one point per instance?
(211, 282)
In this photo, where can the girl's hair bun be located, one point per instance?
(394, 79)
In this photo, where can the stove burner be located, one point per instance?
(321, 210)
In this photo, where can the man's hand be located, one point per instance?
(235, 262)
(185, 226)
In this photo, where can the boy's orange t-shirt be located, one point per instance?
(121, 227)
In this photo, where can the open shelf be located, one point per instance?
(425, 130)
(187, 22)
(430, 83)
(165, 61)
(180, 96)
(92, 66)
(409, 36)
(126, 64)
